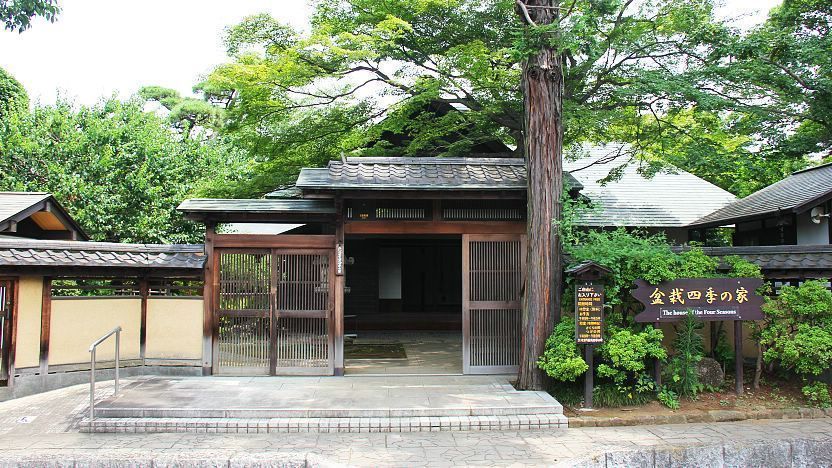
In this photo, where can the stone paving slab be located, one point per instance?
(41, 430)
(324, 397)
(304, 424)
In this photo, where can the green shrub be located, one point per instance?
(561, 359)
(798, 334)
(625, 354)
(669, 398)
(818, 394)
(684, 378)
(607, 395)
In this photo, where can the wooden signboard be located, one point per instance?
(589, 313)
(339, 259)
(708, 298)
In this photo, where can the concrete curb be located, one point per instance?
(792, 453)
(703, 417)
(149, 459)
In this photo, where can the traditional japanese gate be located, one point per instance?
(7, 293)
(273, 311)
(492, 275)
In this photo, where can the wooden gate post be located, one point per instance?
(738, 355)
(340, 280)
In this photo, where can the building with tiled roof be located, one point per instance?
(793, 211)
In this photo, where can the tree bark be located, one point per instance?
(542, 86)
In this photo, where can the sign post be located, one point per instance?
(589, 325)
(710, 299)
(589, 317)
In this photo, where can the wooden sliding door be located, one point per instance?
(492, 275)
(273, 312)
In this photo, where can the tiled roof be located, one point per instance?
(19, 252)
(420, 174)
(667, 199)
(12, 203)
(801, 260)
(17, 206)
(797, 193)
(207, 205)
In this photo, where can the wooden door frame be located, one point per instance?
(330, 314)
(282, 245)
(10, 332)
(466, 299)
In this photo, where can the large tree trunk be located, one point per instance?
(542, 86)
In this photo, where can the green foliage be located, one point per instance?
(682, 368)
(118, 170)
(631, 255)
(441, 78)
(818, 394)
(608, 395)
(797, 335)
(561, 359)
(13, 97)
(669, 398)
(785, 63)
(723, 353)
(798, 329)
(625, 355)
(185, 113)
(18, 14)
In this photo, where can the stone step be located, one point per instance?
(270, 413)
(313, 424)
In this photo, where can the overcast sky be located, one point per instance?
(101, 47)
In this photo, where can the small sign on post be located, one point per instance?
(589, 316)
(589, 313)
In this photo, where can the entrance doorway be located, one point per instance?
(403, 311)
(7, 293)
(273, 312)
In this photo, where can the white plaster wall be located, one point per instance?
(390, 273)
(809, 233)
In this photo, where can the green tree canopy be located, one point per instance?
(13, 97)
(185, 113)
(18, 14)
(650, 73)
(119, 171)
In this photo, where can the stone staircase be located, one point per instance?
(327, 404)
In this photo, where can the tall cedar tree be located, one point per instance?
(542, 86)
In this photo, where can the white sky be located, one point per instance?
(103, 47)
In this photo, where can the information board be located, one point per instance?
(708, 299)
(589, 313)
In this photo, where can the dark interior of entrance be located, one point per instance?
(403, 308)
(404, 284)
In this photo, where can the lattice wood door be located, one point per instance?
(7, 290)
(492, 270)
(274, 312)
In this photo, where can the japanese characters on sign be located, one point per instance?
(339, 259)
(589, 313)
(708, 298)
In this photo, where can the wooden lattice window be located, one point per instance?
(483, 210)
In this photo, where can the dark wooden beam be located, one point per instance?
(434, 227)
(208, 303)
(45, 326)
(272, 241)
(418, 194)
(144, 292)
(340, 282)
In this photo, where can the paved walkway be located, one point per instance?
(327, 397)
(40, 428)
